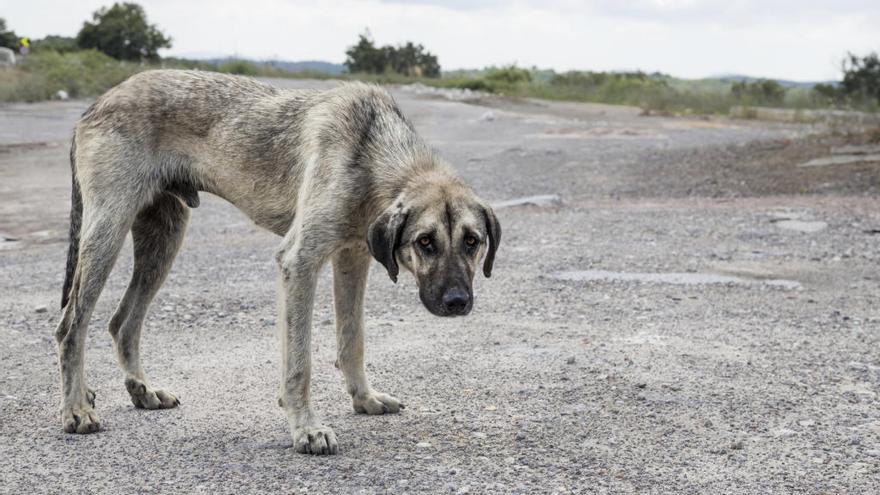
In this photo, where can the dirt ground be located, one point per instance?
(700, 314)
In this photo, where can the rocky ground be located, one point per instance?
(695, 313)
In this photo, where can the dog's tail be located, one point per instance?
(76, 213)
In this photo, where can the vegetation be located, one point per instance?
(122, 32)
(860, 85)
(408, 59)
(81, 73)
(8, 38)
(60, 44)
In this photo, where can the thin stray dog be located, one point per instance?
(339, 174)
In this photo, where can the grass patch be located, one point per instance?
(80, 74)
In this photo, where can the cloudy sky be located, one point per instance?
(791, 39)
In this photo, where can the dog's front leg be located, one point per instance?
(350, 268)
(299, 272)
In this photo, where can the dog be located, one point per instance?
(341, 175)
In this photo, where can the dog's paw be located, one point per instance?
(144, 397)
(80, 418)
(315, 439)
(376, 403)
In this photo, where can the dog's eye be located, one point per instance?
(471, 241)
(424, 241)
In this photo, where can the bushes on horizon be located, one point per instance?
(760, 92)
(240, 67)
(407, 60)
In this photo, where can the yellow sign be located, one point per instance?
(25, 42)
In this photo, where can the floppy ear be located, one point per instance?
(493, 229)
(384, 239)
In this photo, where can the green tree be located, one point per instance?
(122, 31)
(8, 38)
(408, 59)
(861, 77)
(365, 56)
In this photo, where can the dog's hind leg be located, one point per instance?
(157, 234)
(102, 237)
(350, 268)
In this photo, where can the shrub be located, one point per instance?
(83, 73)
(60, 44)
(861, 78)
(760, 92)
(241, 67)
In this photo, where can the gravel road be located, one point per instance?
(699, 315)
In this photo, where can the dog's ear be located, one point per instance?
(493, 229)
(384, 238)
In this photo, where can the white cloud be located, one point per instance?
(690, 38)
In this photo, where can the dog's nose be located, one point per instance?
(456, 301)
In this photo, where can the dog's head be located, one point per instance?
(438, 231)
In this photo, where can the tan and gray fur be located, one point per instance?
(339, 174)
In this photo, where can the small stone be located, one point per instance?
(489, 116)
(806, 422)
(737, 445)
(479, 434)
(187, 317)
(873, 452)
(509, 460)
(520, 435)
(570, 360)
(41, 309)
(641, 385)
(423, 445)
(490, 408)
(855, 440)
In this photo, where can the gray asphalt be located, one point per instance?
(700, 315)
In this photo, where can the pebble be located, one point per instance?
(423, 445)
(570, 360)
(41, 309)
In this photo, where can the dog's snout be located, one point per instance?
(456, 301)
